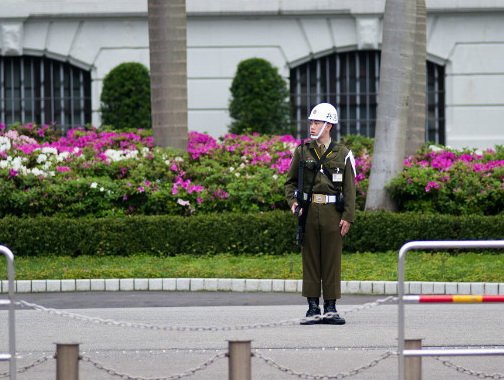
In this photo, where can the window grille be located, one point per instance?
(44, 91)
(350, 81)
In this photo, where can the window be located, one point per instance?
(350, 81)
(44, 91)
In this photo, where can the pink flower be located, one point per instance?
(62, 169)
(432, 185)
(13, 173)
(221, 194)
(141, 189)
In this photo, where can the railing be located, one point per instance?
(402, 299)
(11, 356)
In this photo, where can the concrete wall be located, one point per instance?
(465, 36)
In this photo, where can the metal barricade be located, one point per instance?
(11, 356)
(415, 245)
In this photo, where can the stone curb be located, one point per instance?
(244, 285)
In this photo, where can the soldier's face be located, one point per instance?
(316, 126)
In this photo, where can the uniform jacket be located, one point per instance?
(339, 159)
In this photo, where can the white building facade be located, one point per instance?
(54, 55)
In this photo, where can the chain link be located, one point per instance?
(479, 375)
(341, 375)
(125, 376)
(29, 366)
(111, 322)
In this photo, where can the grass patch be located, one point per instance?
(460, 267)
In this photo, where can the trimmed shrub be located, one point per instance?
(259, 99)
(232, 233)
(125, 97)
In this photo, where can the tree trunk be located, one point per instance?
(393, 100)
(168, 67)
(416, 117)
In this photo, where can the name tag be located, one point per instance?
(337, 177)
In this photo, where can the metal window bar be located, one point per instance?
(415, 245)
(42, 92)
(71, 92)
(62, 95)
(436, 102)
(357, 94)
(338, 92)
(318, 80)
(13, 104)
(51, 97)
(11, 356)
(2, 92)
(368, 97)
(32, 75)
(81, 92)
(347, 96)
(22, 90)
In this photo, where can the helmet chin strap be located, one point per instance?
(317, 136)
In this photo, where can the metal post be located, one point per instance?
(67, 361)
(240, 360)
(413, 364)
(12, 307)
(400, 280)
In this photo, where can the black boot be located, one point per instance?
(334, 319)
(313, 310)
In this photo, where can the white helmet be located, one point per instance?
(324, 112)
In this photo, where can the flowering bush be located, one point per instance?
(452, 182)
(102, 173)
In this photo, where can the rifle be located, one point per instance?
(301, 210)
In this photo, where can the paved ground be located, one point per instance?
(168, 350)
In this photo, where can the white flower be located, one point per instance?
(113, 155)
(16, 163)
(94, 185)
(131, 154)
(179, 159)
(435, 148)
(5, 143)
(4, 164)
(275, 177)
(231, 169)
(62, 156)
(237, 174)
(49, 150)
(182, 202)
(102, 189)
(39, 173)
(41, 158)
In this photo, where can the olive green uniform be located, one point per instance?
(323, 244)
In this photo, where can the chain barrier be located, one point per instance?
(111, 322)
(36, 363)
(125, 376)
(341, 375)
(479, 375)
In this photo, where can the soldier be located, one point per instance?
(320, 188)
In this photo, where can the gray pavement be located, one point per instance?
(320, 349)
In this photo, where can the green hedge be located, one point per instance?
(255, 233)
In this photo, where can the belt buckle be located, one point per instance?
(319, 198)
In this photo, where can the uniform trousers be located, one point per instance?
(321, 252)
